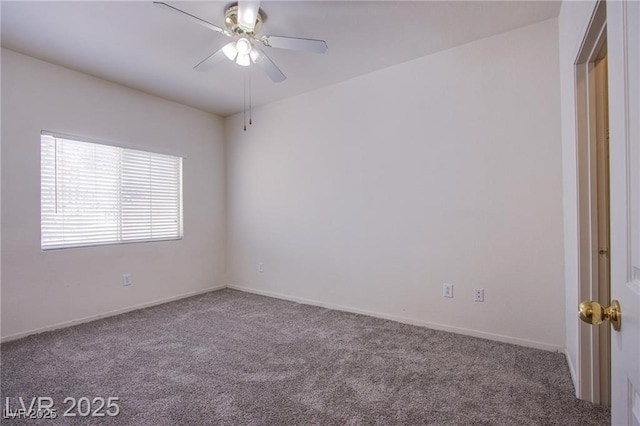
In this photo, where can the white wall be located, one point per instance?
(369, 194)
(43, 289)
(572, 22)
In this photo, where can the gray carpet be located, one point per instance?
(234, 358)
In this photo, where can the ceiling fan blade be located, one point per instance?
(266, 64)
(177, 11)
(210, 61)
(248, 13)
(294, 43)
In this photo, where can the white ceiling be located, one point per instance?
(142, 46)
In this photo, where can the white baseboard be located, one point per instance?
(108, 314)
(405, 320)
(572, 372)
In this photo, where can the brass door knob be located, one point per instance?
(593, 313)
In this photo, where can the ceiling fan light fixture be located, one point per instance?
(230, 51)
(255, 55)
(243, 46)
(243, 60)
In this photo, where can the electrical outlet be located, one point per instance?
(478, 295)
(126, 279)
(260, 267)
(447, 290)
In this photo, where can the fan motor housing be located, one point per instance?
(231, 21)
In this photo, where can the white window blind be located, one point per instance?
(95, 194)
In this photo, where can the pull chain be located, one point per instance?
(246, 83)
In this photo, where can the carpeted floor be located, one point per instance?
(234, 358)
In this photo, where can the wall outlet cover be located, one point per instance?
(447, 290)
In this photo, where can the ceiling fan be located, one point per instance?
(243, 21)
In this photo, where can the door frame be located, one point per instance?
(593, 342)
(624, 105)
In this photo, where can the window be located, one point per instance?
(95, 194)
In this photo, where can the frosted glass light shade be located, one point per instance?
(243, 46)
(230, 51)
(255, 55)
(243, 60)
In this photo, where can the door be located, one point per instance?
(623, 43)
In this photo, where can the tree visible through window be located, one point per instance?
(95, 194)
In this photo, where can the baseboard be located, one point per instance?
(109, 314)
(572, 372)
(405, 320)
